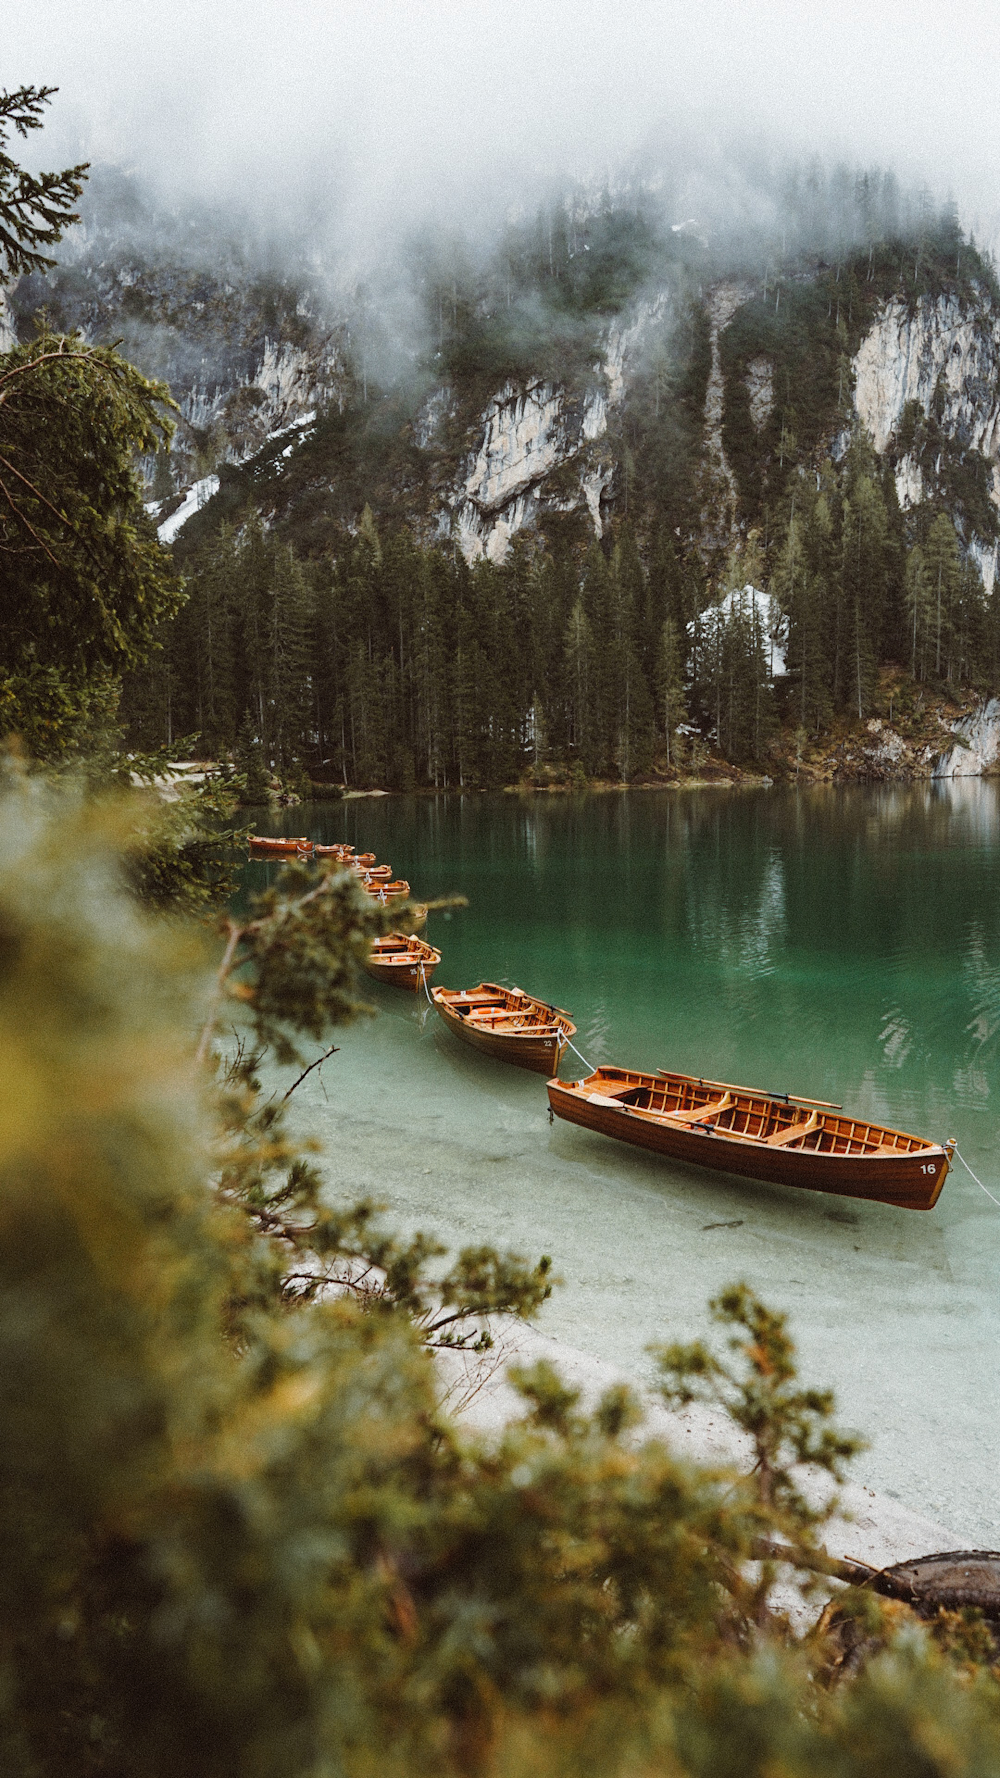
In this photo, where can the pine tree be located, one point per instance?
(670, 688)
(210, 621)
(251, 763)
(291, 653)
(864, 575)
(919, 608)
(87, 584)
(801, 593)
(579, 667)
(431, 649)
(942, 568)
(733, 680)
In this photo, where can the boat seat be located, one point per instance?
(784, 1137)
(701, 1114)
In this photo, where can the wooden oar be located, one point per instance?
(759, 1092)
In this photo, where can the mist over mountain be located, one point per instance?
(369, 119)
(253, 326)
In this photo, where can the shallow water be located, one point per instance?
(839, 943)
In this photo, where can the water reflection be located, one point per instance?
(844, 943)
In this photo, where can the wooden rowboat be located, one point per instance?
(260, 842)
(397, 891)
(766, 1136)
(507, 1024)
(341, 852)
(406, 962)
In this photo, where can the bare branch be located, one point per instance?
(332, 1051)
(222, 975)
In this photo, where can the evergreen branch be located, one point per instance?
(23, 108)
(19, 515)
(42, 499)
(79, 537)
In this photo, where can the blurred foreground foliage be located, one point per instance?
(241, 1537)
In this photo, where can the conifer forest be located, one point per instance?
(353, 650)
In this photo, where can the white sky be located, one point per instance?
(394, 106)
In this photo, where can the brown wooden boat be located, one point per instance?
(341, 852)
(397, 891)
(377, 873)
(261, 842)
(769, 1136)
(507, 1024)
(406, 962)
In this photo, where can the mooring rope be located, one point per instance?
(979, 1182)
(423, 978)
(589, 1066)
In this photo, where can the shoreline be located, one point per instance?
(603, 787)
(872, 1528)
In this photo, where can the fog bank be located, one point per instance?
(365, 118)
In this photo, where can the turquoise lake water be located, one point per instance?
(839, 943)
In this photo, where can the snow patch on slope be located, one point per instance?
(193, 501)
(747, 602)
(8, 333)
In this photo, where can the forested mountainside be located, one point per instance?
(609, 499)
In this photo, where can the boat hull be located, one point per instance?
(909, 1181)
(469, 1015)
(540, 1054)
(386, 892)
(408, 969)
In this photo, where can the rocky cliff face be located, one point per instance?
(544, 448)
(939, 351)
(245, 355)
(249, 354)
(528, 435)
(283, 382)
(939, 359)
(977, 746)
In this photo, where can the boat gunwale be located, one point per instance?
(558, 1021)
(636, 1078)
(409, 947)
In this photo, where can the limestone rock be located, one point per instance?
(943, 354)
(978, 749)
